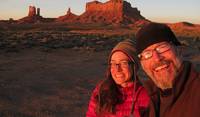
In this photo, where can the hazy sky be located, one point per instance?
(155, 10)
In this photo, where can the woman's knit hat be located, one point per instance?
(128, 47)
(154, 33)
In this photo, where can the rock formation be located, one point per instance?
(38, 11)
(34, 16)
(32, 11)
(110, 12)
(69, 17)
(113, 11)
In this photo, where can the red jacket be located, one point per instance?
(124, 109)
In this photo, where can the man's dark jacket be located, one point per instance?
(183, 100)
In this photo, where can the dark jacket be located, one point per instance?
(183, 100)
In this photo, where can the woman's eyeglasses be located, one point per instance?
(122, 64)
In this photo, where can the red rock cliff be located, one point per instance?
(113, 11)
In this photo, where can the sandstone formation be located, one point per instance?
(32, 11)
(113, 11)
(69, 17)
(34, 16)
(110, 12)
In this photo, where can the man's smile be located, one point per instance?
(161, 66)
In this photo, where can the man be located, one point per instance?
(174, 85)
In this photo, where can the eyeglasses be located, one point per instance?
(159, 49)
(122, 64)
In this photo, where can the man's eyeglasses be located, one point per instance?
(159, 49)
(122, 64)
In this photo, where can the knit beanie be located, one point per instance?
(154, 33)
(128, 47)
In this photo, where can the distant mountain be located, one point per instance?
(185, 29)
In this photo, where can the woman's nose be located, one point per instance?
(118, 67)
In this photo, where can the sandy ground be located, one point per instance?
(48, 84)
(55, 83)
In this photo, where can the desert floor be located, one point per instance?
(49, 84)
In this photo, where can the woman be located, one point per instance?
(120, 94)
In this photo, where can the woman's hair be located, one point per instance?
(108, 94)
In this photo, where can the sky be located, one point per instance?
(166, 11)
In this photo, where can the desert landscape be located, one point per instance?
(49, 66)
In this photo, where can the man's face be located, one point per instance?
(161, 63)
(120, 70)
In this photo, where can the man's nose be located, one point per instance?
(157, 56)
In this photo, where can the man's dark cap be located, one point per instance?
(154, 33)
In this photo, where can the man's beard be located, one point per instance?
(163, 78)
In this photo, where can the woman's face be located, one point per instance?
(120, 68)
